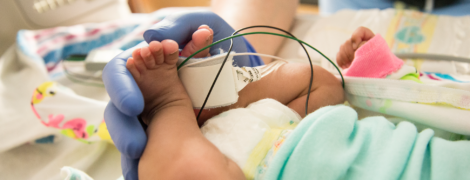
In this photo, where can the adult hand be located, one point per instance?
(180, 27)
(126, 98)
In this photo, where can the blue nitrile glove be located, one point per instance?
(126, 98)
(181, 26)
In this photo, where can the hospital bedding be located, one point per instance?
(406, 32)
(30, 150)
(331, 143)
(34, 64)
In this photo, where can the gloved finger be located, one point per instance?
(129, 168)
(180, 27)
(126, 132)
(121, 86)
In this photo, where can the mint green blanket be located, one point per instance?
(332, 144)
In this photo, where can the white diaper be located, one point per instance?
(237, 131)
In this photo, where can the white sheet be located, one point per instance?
(22, 69)
(20, 159)
(20, 74)
(404, 31)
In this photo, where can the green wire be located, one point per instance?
(276, 34)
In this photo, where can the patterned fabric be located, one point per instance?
(263, 166)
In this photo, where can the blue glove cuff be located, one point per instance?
(254, 60)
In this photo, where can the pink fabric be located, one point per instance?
(374, 60)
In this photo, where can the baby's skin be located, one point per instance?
(288, 84)
(176, 148)
(147, 58)
(346, 52)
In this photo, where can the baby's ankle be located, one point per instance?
(152, 109)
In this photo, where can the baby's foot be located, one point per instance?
(154, 70)
(201, 38)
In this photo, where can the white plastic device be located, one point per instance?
(197, 76)
(40, 14)
(53, 12)
(97, 59)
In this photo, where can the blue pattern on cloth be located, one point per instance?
(45, 140)
(254, 60)
(86, 46)
(449, 77)
(264, 165)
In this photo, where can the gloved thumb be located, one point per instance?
(180, 26)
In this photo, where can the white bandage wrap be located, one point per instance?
(197, 76)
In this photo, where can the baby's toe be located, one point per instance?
(170, 51)
(139, 61)
(157, 51)
(130, 65)
(147, 55)
(206, 27)
(200, 39)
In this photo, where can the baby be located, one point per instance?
(176, 148)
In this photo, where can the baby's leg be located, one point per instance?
(176, 148)
(289, 85)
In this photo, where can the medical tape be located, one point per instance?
(198, 74)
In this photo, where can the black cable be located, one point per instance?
(228, 54)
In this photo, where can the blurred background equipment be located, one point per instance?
(147, 6)
(40, 14)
